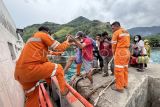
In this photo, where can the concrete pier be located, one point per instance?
(143, 89)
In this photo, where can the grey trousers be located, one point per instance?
(105, 64)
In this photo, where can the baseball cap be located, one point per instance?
(79, 34)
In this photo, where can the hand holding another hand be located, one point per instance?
(70, 38)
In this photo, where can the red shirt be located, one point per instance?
(87, 51)
(105, 49)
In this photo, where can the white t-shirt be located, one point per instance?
(97, 44)
(141, 47)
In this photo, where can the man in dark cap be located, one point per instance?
(87, 52)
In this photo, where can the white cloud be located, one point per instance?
(130, 13)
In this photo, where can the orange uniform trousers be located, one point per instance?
(121, 60)
(28, 75)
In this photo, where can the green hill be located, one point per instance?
(29, 30)
(145, 31)
(154, 40)
(79, 24)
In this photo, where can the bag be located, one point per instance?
(78, 56)
(93, 43)
(143, 59)
(133, 60)
(136, 52)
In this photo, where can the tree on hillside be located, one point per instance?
(78, 24)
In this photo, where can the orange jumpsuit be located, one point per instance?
(55, 53)
(120, 48)
(33, 66)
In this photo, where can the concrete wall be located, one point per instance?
(11, 93)
(140, 96)
(143, 89)
(154, 92)
(147, 94)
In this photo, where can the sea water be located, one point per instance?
(155, 59)
(72, 69)
(155, 56)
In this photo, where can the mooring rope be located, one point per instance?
(102, 92)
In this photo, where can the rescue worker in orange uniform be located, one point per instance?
(54, 53)
(33, 65)
(120, 49)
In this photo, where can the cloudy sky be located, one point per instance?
(131, 13)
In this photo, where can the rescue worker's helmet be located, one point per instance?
(79, 34)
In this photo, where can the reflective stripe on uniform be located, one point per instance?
(33, 39)
(126, 65)
(32, 89)
(55, 44)
(124, 34)
(121, 66)
(38, 83)
(54, 70)
(114, 42)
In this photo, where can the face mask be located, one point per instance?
(136, 39)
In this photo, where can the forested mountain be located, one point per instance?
(91, 27)
(150, 33)
(79, 24)
(145, 31)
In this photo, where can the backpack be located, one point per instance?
(93, 43)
